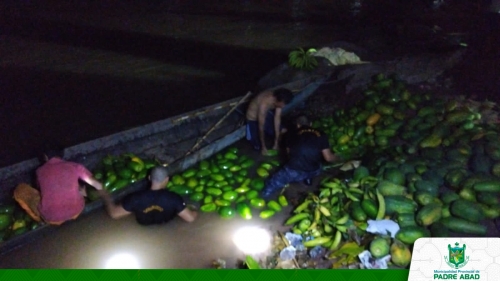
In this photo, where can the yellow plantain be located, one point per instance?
(324, 211)
(315, 199)
(336, 240)
(342, 220)
(324, 200)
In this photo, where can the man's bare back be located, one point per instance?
(265, 100)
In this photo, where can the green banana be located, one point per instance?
(336, 240)
(334, 201)
(356, 190)
(325, 193)
(317, 214)
(353, 185)
(342, 228)
(303, 206)
(342, 220)
(350, 196)
(328, 228)
(381, 206)
(331, 184)
(296, 218)
(324, 211)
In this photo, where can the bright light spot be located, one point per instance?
(252, 240)
(122, 261)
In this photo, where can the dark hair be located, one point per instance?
(303, 121)
(51, 153)
(283, 95)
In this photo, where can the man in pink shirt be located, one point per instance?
(61, 196)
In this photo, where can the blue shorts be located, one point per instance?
(252, 133)
(283, 177)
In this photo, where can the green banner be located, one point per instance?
(208, 275)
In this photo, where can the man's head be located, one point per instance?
(302, 121)
(159, 177)
(50, 153)
(283, 97)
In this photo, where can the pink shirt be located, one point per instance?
(59, 189)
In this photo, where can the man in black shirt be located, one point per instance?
(154, 206)
(307, 148)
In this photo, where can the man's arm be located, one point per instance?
(93, 182)
(328, 155)
(188, 214)
(115, 211)
(277, 125)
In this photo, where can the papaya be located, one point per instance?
(455, 177)
(266, 214)
(357, 212)
(439, 230)
(244, 211)
(360, 172)
(432, 140)
(406, 219)
(5, 221)
(399, 204)
(400, 254)
(227, 212)
(423, 198)
(395, 176)
(467, 210)
(410, 234)
(370, 207)
(387, 188)
(429, 214)
(464, 226)
(427, 186)
(379, 247)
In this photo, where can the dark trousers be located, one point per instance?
(283, 177)
(253, 130)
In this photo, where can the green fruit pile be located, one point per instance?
(118, 172)
(229, 183)
(14, 221)
(434, 162)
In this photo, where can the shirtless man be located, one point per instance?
(262, 121)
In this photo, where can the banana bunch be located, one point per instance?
(323, 218)
(342, 189)
(327, 216)
(302, 59)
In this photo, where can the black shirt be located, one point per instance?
(154, 206)
(306, 146)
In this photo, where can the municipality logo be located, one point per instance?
(456, 256)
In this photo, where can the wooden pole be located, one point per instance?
(217, 124)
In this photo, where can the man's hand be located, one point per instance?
(263, 151)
